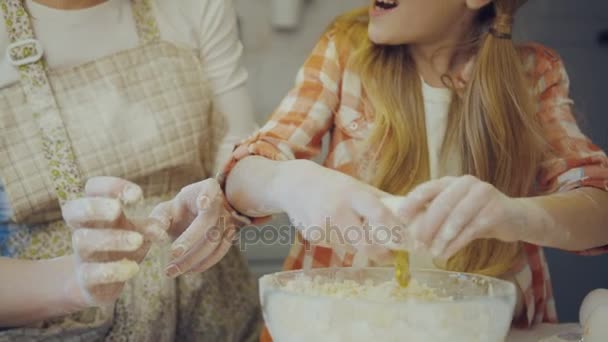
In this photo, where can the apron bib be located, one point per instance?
(144, 114)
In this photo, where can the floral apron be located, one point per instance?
(144, 114)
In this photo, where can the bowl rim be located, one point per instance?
(509, 292)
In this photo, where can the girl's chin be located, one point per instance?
(378, 36)
(375, 34)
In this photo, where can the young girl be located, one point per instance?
(432, 101)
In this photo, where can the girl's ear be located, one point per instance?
(477, 4)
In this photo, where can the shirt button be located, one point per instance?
(354, 126)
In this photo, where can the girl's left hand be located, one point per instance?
(447, 214)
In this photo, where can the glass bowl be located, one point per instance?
(464, 308)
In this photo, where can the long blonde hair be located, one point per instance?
(491, 125)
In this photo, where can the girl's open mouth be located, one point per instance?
(384, 6)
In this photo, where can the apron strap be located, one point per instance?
(25, 52)
(145, 21)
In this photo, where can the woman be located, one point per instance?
(132, 89)
(475, 133)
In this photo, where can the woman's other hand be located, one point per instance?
(200, 218)
(108, 246)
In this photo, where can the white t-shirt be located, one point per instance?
(74, 37)
(436, 107)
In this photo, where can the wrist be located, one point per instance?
(69, 293)
(533, 221)
(36, 290)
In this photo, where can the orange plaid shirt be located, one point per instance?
(329, 98)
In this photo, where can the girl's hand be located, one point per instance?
(205, 229)
(446, 215)
(331, 208)
(107, 245)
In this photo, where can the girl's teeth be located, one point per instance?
(386, 4)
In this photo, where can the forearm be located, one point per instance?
(237, 109)
(575, 220)
(253, 187)
(32, 291)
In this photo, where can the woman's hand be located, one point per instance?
(205, 229)
(108, 246)
(447, 214)
(331, 208)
